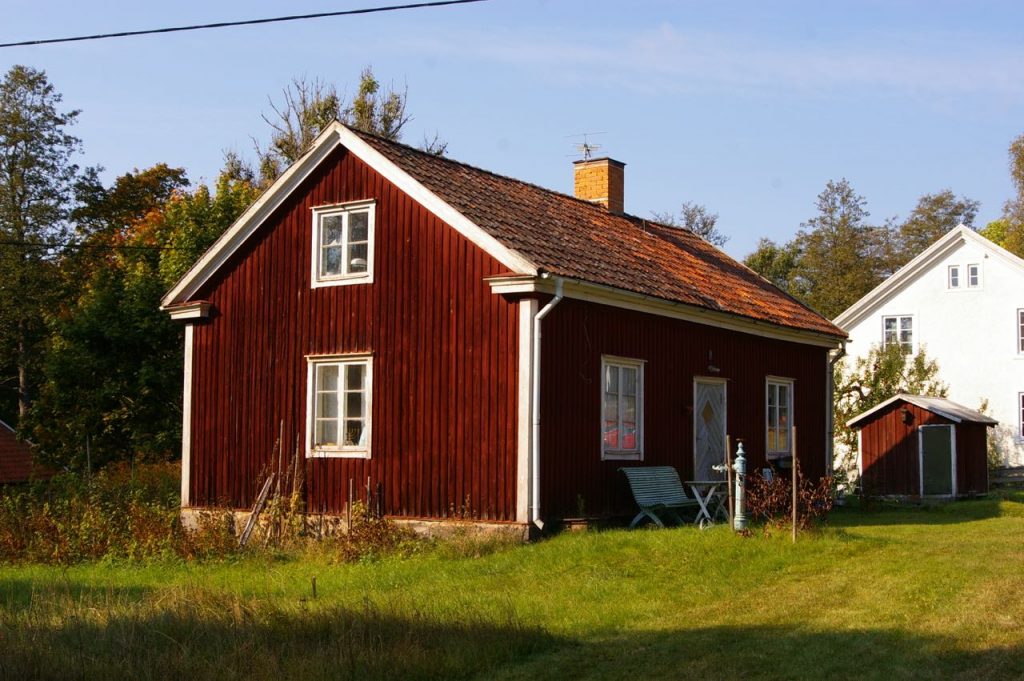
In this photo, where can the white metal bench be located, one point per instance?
(657, 489)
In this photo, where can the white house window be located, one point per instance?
(622, 403)
(343, 244)
(954, 276)
(338, 404)
(1020, 331)
(973, 276)
(898, 330)
(780, 416)
(1020, 401)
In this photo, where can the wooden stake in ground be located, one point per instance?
(728, 478)
(794, 473)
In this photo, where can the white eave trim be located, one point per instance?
(607, 295)
(910, 272)
(197, 310)
(333, 136)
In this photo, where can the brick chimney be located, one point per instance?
(599, 180)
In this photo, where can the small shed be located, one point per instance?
(16, 462)
(915, 445)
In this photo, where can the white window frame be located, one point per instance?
(343, 209)
(790, 384)
(953, 277)
(977, 275)
(350, 451)
(619, 454)
(899, 318)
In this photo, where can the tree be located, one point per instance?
(774, 262)
(885, 372)
(308, 107)
(110, 369)
(1011, 226)
(840, 257)
(932, 217)
(112, 365)
(697, 219)
(379, 112)
(37, 181)
(190, 223)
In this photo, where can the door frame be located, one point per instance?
(952, 457)
(724, 382)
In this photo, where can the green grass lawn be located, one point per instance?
(891, 593)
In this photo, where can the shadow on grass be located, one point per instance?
(914, 513)
(18, 594)
(229, 640)
(767, 652)
(198, 636)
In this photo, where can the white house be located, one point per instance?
(962, 299)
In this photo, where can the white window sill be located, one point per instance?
(622, 456)
(343, 281)
(338, 454)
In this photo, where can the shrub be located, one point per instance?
(771, 501)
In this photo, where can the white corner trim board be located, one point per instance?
(186, 418)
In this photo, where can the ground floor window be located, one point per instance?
(622, 395)
(338, 406)
(779, 417)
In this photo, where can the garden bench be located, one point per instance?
(657, 489)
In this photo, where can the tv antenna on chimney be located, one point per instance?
(586, 148)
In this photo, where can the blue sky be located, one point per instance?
(746, 107)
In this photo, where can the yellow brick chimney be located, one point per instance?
(600, 180)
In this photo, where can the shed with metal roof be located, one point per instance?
(915, 445)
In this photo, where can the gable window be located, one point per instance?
(973, 276)
(954, 276)
(780, 416)
(622, 403)
(343, 244)
(898, 330)
(338, 406)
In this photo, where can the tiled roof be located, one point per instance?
(580, 240)
(15, 457)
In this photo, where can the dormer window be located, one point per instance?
(954, 276)
(343, 244)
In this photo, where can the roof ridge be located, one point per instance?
(507, 178)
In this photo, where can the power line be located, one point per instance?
(247, 22)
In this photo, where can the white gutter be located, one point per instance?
(535, 448)
(830, 427)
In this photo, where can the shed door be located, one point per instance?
(708, 428)
(937, 460)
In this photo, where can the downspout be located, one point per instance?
(830, 426)
(535, 405)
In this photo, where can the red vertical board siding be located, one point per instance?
(444, 363)
(890, 455)
(576, 334)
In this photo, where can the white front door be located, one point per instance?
(708, 428)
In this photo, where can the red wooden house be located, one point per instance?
(386, 305)
(16, 460)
